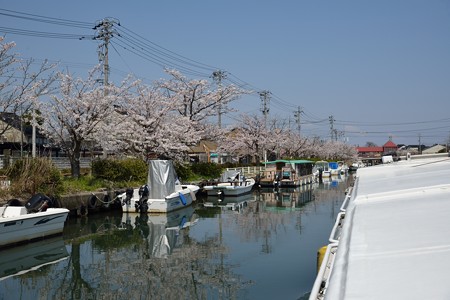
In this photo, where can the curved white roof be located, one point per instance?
(395, 241)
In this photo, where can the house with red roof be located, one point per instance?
(389, 148)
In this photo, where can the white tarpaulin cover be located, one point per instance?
(161, 178)
(395, 241)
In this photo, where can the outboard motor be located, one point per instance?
(142, 205)
(128, 196)
(37, 203)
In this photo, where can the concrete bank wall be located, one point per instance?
(84, 203)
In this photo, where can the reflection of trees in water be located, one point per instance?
(124, 270)
(111, 260)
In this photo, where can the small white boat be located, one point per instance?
(34, 220)
(232, 184)
(322, 169)
(162, 194)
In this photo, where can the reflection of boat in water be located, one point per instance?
(287, 197)
(22, 259)
(162, 231)
(231, 203)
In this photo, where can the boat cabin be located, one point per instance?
(286, 173)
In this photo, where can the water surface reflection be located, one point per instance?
(261, 246)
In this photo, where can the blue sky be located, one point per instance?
(380, 68)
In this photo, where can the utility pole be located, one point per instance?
(297, 115)
(217, 77)
(265, 101)
(333, 132)
(33, 136)
(105, 32)
(420, 144)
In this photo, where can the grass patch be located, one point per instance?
(89, 183)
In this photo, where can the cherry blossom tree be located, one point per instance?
(79, 112)
(197, 100)
(23, 81)
(247, 138)
(150, 127)
(251, 137)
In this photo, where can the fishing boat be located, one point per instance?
(286, 173)
(322, 169)
(35, 220)
(232, 183)
(163, 192)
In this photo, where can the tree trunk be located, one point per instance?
(75, 160)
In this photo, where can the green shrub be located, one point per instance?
(184, 172)
(208, 170)
(130, 169)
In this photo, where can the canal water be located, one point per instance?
(261, 246)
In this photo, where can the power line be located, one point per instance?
(168, 53)
(43, 19)
(53, 35)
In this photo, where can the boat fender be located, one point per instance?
(320, 256)
(194, 198)
(182, 198)
(106, 200)
(92, 202)
(183, 221)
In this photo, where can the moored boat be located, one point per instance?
(232, 184)
(322, 169)
(163, 193)
(287, 173)
(34, 220)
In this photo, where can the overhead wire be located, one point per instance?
(44, 19)
(171, 54)
(144, 48)
(53, 35)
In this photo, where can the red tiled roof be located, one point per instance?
(390, 144)
(369, 149)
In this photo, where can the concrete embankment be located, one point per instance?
(82, 203)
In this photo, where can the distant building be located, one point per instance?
(388, 148)
(17, 135)
(372, 155)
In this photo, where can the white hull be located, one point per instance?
(230, 189)
(18, 226)
(178, 219)
(182, 197)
